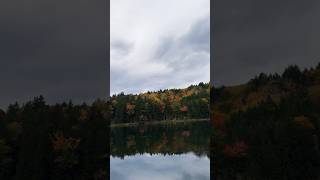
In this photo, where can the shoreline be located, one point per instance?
(163, 122)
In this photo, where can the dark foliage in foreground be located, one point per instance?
(268, 128)
(62, 141)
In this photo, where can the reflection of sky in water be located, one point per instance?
(160, 167)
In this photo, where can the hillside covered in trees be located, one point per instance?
(268, 128)
(62, 141)
(170, 104)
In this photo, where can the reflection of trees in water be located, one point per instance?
(161, 139)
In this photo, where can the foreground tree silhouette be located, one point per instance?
(270, 130)
(62, 141)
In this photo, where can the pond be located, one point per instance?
(170, 152)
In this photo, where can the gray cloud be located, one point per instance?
(54, 48)
(262, 36)
(155, 50)
(121, 48)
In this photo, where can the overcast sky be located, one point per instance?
(159, 44)
(253, 36)
(59, 48)
(54, 48)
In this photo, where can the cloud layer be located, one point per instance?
(263, 36)
(54, 48)
(159, 44)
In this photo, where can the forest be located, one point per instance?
(168, 104)
(268, 128)
(62, 141)
(68, 141)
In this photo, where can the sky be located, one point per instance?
(159, 44)
(57, 49)
(60, 48)
(253, 36)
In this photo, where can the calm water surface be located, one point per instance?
(164, 152)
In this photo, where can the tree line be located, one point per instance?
(269, 127)
(62, 141)
(169, 104)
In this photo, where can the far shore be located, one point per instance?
(164, 122)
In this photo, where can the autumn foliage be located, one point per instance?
(61, 141)
(269, 127)
(169, 104)
(236, 150)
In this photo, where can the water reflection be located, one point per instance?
(174, 167)
(170, 152)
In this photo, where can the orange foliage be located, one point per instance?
(185, 133)
(304, 122)
(238, 149)
(184, 109)
(165, 138)
(218, 120)
(61, 143)
(83, 115)
(130, 107)
(64, 150)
